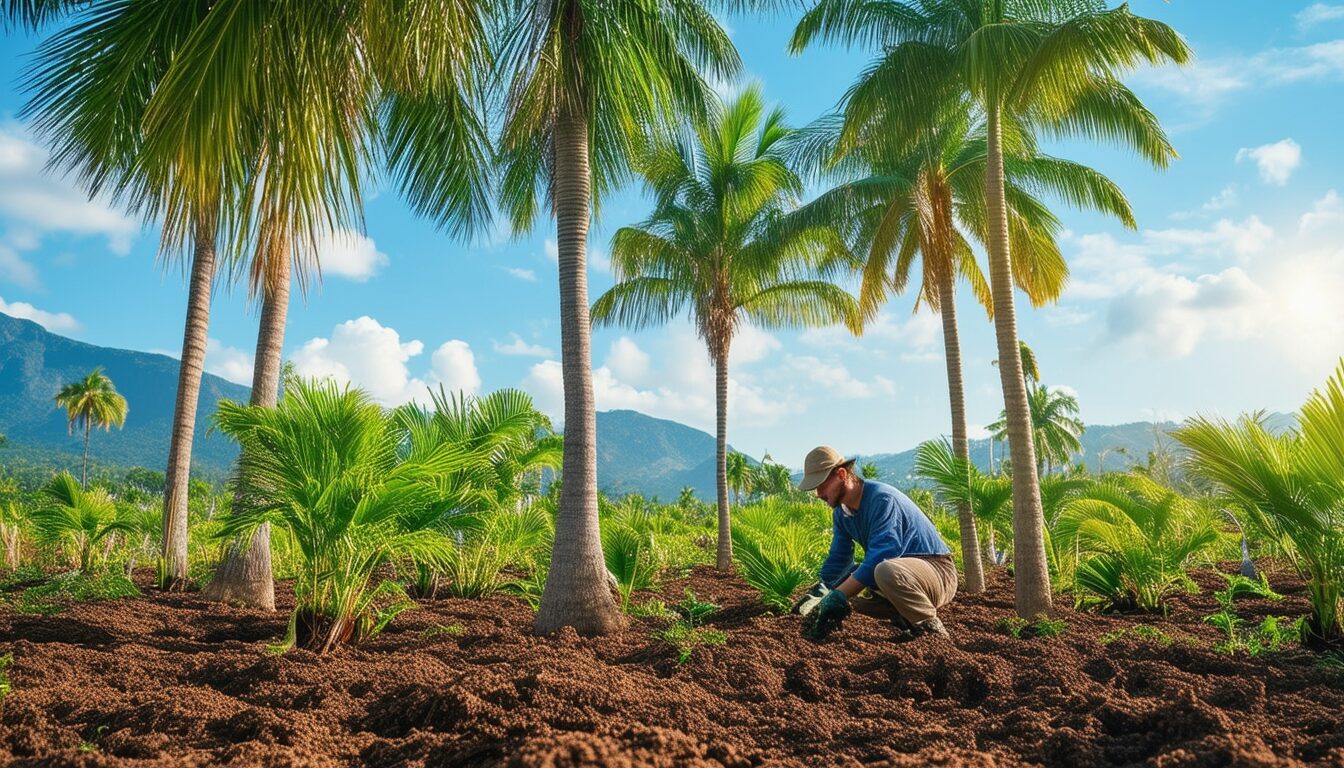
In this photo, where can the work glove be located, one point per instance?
(829, 614)
(810, 599)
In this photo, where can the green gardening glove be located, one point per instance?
(828, 616)
(810, 599)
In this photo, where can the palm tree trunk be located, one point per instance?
(178, 475)
(84, 468)
(245, 573)
(11, 537)
(1031, 575)
(576, 592)
(724, 561)
(970, 537)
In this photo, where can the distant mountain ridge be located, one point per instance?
(35, 363)
(635, 453)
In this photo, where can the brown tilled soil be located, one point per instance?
(174, 680)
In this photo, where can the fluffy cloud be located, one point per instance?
(1324, 212)
(522, 274)
(228, 362)
(552, 251)
(1318, 13)
(1169, 314)
(675, 383)
(1205, 84)
(1276, 161)
(834, 379)
(918, 338)
(346, 253)
(42, 203)
(18, 270)
(366, 354)
(56, 322)
(628, 361)
(521, 348)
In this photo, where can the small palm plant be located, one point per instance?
(324, 465)
(778, 549)
(71, 516)
(1289, 487)
(630, 560)
(1133, 538)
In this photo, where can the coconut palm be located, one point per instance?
(739, 475)
(587, 81)
(93, 401)
(929, 200)
(1044, 67)
(1055, 427)
(722, 247)
(1288, 486)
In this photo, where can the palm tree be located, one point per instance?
(928, 200)
(1054, 424)
(1028, 66)
(739, 475)
(1288, 486)
(870, 471)
(722, 246)
(587, 80)
(298, 93)
(92, 401)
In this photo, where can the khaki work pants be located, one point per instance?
(911, 587)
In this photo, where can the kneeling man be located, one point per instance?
(907, 568)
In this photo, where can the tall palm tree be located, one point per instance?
(587, 80)
(927, 200)
(303, 94)
(722, 247)
(1047, 67)
(1055, 427)
(92, 84)
(93, 401)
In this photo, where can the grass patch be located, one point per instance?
(57, 594)
(1144, 632)
(1044, 626)
(6, 687)
(451, 630)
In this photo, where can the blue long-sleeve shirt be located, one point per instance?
(887, 524)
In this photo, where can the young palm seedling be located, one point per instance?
(326, 465)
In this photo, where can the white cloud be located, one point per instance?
(42, 203)
(628, 361)
(552, 251)
(1317, 13)
(677, 384)
(598, 259)
(1065, 316)
(751, 344)
(18, 270)
(1243, 239)
(522, 274)
(916, 339)
(1276, 161)
(834, 379)
(1202, 86)
(521, 348)
(56, 322)
(454, 367)
(228, 363)
(1326, 211)
(366, 354)
(346, 253)
(1169, 314)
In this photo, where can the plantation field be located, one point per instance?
(171, 679)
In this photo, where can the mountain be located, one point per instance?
(652, 457)
(1125, 445)
(35, 363)
(635, 453)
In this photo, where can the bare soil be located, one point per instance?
(173, 680)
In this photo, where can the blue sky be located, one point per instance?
(1225, 300)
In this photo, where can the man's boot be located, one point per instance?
(899, 622)
(932, 626)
